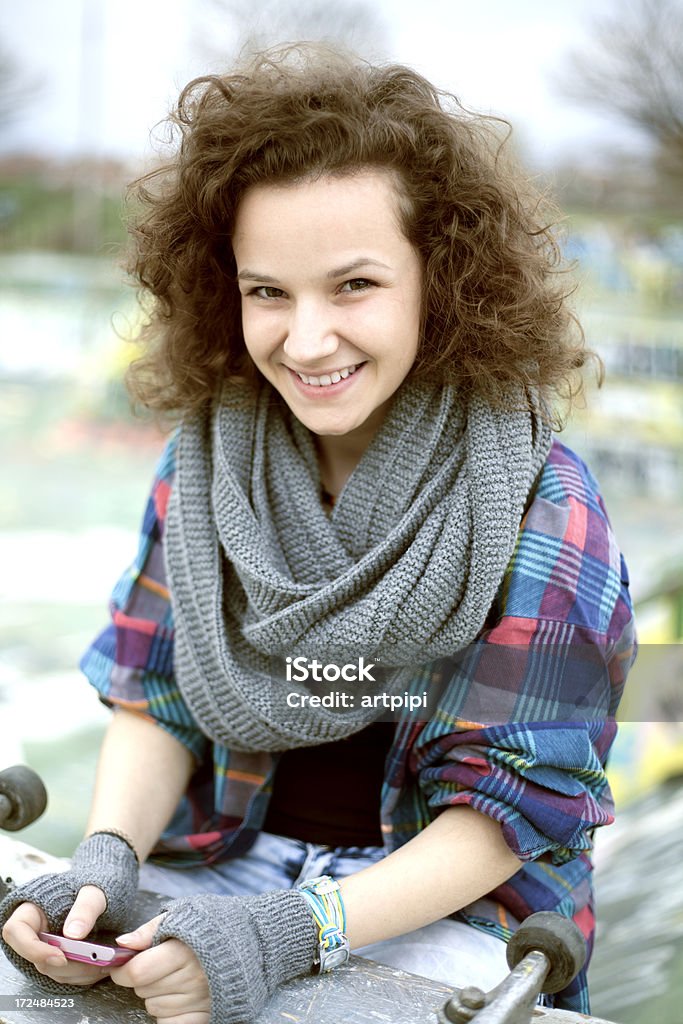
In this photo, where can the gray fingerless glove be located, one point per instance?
(247, 946)
(102, 860)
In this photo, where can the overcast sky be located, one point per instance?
(110, 69)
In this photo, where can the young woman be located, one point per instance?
(357, 311)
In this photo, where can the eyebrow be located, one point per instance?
(361, 261)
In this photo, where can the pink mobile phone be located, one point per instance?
(89, 952)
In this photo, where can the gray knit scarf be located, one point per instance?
(403, 571)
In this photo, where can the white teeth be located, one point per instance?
(326, 379)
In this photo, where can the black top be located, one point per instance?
(330, 794)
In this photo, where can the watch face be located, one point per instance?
(321, 885)
(333, 958)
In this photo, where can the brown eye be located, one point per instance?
(357, 284)
(268, 292)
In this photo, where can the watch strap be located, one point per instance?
(324, 898)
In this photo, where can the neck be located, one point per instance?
(337, 460)
(338, 455)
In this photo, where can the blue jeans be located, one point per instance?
(447, 951)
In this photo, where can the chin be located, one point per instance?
(329, 431)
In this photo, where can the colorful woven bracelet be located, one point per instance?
(323, 895)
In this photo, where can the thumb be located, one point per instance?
(88, 905)
(142, 937)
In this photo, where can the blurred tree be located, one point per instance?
(255, 24)
(633, 68)
(16, 90)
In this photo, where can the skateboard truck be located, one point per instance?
(544, 954)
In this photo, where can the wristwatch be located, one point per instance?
(323, 896)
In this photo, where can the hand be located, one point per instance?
(246, 946)
(168, 977)
(100, 885)
(21, 934)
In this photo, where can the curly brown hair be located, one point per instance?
(495, 315)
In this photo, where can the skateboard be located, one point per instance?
(543, 955)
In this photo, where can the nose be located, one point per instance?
(311, 334)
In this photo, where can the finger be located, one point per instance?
(142, 937)
(73, 973)
(21, 933)
(187, 978)
(88, 905)
(152, 965)
(165, 1007)
(185, 1018)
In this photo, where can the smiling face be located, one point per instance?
(331, 297)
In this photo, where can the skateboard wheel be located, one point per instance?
(558, 938)
(25, 794)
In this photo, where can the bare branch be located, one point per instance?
(237, 25)
(633, 68)
(16, 90)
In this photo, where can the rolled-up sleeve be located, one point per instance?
(130, 663)
(544, 782)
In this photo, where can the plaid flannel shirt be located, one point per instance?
(543, 781)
